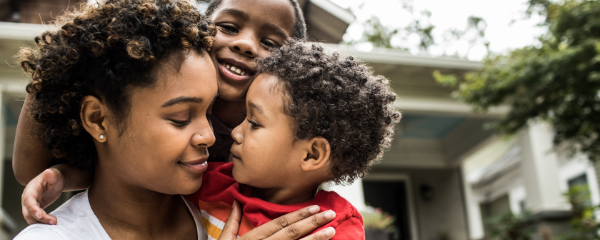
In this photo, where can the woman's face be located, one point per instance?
(164, 140)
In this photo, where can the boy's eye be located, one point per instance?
(228, 28)
(269, 44)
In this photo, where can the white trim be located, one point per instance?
(448, 106)
(18, 88)
(335, 10)
(21, 31)
(409, 194)
(401, 57)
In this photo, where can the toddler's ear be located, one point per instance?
(317, 155)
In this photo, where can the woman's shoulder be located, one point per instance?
(39, 231)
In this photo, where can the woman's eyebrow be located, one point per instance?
(182, 99)
(237, 13)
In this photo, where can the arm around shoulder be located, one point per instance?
(29, 157)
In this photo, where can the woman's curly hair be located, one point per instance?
(338, 98)
(103, 50)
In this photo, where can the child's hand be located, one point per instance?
(290, 226)
(40, 192)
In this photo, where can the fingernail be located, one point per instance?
(329, 232)
(38, 215)
(313, 209)
(51, 222)
(329, 214)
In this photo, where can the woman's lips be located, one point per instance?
(198, 166)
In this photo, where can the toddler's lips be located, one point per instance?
(234, 157)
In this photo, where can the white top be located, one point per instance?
(76, 220)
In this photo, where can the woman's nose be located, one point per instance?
(205, 136)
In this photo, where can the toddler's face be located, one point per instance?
(265, 152)
(246, 30)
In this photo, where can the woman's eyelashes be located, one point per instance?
(179, 123)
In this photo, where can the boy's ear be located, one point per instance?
(318, 154)
(93, 117)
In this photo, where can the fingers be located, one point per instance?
(323, 234)
(38, 194)
(307, 225)
(33, 213)
(230, 230)
(268, 229)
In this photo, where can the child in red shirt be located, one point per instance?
(312, 117)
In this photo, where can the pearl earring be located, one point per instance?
(101, 137)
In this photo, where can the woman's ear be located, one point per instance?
(318, 154)
(93, 117)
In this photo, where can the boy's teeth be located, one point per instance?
(233, 69)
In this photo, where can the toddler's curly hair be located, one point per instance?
(338, 98)
(103, 50)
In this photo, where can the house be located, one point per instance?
(444, 174)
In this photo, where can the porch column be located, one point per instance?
(539, 168)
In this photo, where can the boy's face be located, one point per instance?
(246, 30)
(264, 152)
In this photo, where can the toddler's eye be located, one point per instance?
(253, 123)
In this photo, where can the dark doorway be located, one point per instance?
(390, 197)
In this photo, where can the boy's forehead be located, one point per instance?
(279, 12)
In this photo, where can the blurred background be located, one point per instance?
(501, 109)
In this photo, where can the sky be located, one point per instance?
(507, 27)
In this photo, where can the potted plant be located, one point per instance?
(378, 224)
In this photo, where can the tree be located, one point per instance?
(420, 27)
(557, 81)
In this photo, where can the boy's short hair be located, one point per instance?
(339, 98)
(299, 25)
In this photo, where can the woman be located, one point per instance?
(124, 90)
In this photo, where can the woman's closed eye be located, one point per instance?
(180, 123)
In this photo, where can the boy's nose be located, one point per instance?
(236, 134)
(245, 47)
